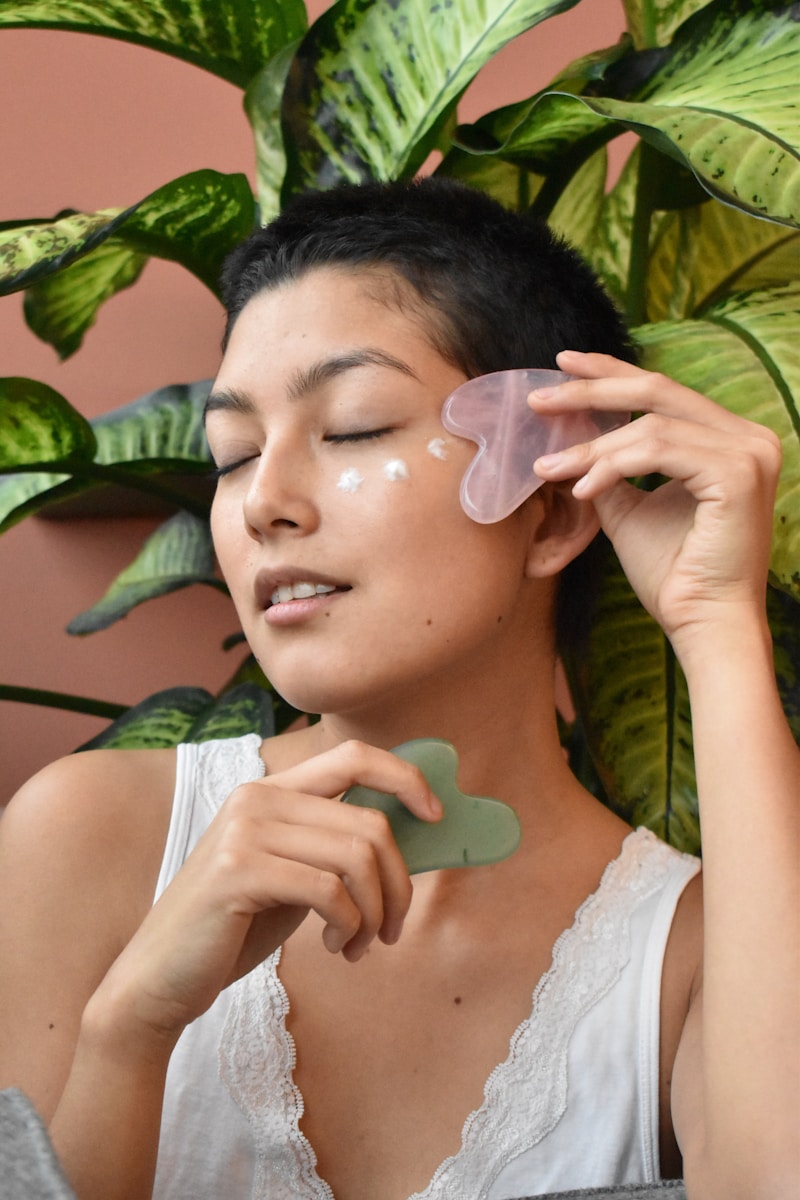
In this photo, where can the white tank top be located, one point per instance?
(575, 1103)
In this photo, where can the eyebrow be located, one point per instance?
(308, 379)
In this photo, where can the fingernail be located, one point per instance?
(545, 393)
(547, 461)
(436, 807)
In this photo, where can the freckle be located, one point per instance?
(395, 469)
(51, 1025)
(429, 621)
(499, 619)
(457, 1000)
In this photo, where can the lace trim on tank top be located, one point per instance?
(222, 765)
(524, 1097)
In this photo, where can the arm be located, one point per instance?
(696, 551)
(277, 849)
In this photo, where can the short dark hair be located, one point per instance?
(499, 289)
(503, 290)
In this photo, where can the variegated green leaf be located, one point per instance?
(578, 210)
(159, 433)
(178, 554)
(184, 714)
(29, 252)
(162, 430)
(262, 103)
(717, 105)
(244, 709)
(369, 83)
(161, 720)
(61, 307)
(510, 185)
(228, 38)
(634, 707)
(701, 253)
(37, 426)
(194, 220)
(653, 22)
(745, 355)
(608, 251)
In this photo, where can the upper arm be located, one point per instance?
(80, 848)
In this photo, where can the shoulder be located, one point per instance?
(93, 815)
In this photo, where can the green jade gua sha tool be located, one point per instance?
(474, 830)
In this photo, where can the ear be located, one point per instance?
(561, 527)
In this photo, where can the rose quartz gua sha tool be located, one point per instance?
(473, 831)
(492, 410)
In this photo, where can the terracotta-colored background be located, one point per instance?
(91, 123)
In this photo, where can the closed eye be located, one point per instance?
(359, 435)
(229, 468)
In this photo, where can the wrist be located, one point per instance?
(733, 638)
(117, 1026)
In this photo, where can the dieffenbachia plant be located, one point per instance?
(698, 241)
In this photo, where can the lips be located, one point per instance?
(293, 583)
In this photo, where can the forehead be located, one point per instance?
(335, 308)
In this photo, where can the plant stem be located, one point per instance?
(81, 704)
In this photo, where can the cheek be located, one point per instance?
(424, 476)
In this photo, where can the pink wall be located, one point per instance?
(92, 123)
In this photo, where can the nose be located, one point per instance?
(281, 494)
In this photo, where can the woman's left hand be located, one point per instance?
(700, 542)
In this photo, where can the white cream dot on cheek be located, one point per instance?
(350, 480)
(438, 448)
(395, 469)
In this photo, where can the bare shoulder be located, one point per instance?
(80, 849)
(111, 805)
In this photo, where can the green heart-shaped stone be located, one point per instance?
(473, 831)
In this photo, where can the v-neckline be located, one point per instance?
(258, 1056)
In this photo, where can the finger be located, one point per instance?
(607, 384)
(670, 446)
(331, 773)
(356, 844)
(364, 855)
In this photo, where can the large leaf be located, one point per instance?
(61, 307)
(702, 253)
(717, 106)
(579, 208)
(368, 83)
(37, 426)
(194, 220)
(246, 708)
(634, 708)
(512, 186)
(178, 554)
(159, 433)
(744, 354)
(653, 22)
(31, 250)
(262, 103)
(183, 714)
(228, 38)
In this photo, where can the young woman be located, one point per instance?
(291, 1018)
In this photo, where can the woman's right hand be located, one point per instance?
(278, 848)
